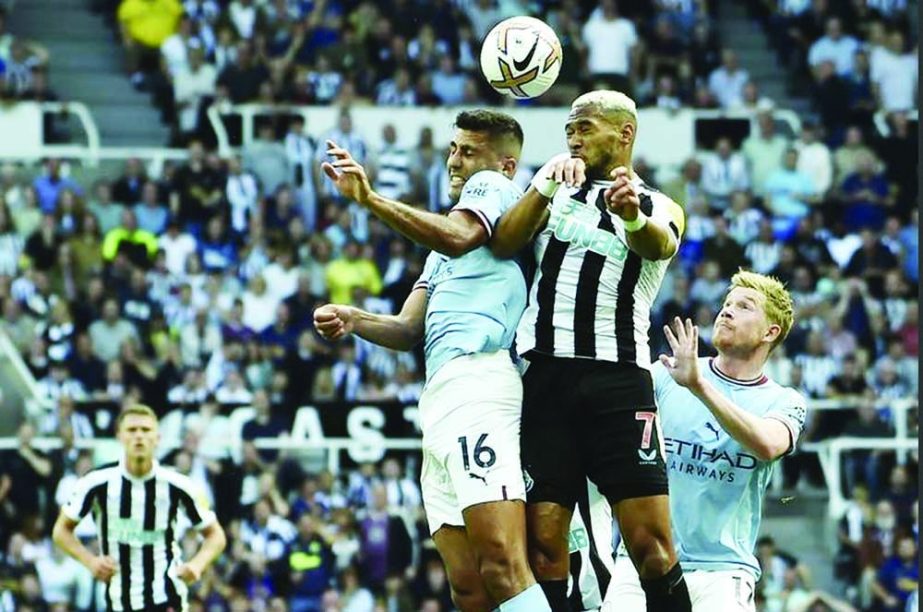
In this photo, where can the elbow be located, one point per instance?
(221, 540)
(768, 450)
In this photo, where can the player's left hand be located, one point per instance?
(683, 366)
(188, 573)
(347, 174)
(621, 198)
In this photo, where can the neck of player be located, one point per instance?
(748, 367)
(139, 466)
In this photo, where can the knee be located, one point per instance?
(548, 553)
(653, 557)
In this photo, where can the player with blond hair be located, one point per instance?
(725, 424)
(136, 506)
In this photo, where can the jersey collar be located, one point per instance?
(753, 382)
(155, 465)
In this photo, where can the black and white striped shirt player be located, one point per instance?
(140, 522)
(591, 295)
(592, 556)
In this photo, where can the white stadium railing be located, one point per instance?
(22, 128)
(365, 443)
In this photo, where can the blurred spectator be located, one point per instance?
(301, 149)
(814, 159)
(350, 271)
(789, 194)
(150, 213)
(244, 76)
(900, 155)
(895, 73)
(829, 92)
(723, 173)
(764, 152)
(846, 157)
(263, 425)
(127, 189)
(727, 82)
(834, 46)
(867, 196)
(267, 158)
(193, 84)
(108, 333)
(310, 562)
(899, 576)
(196, 190)
(386, 545)
(51, 183)
(128, 239)
(145, 25)
(611, 42)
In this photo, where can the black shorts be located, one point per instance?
(590, 419)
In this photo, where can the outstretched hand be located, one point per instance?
(348, 175)
(683, 366)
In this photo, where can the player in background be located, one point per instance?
(602, 243)
(592, 558)
(136, 506)
(465, 307)
(725, 425)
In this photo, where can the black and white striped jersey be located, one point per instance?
(591, 295)
(591, 554)
(137, 523)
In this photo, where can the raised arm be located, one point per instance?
(400, 332)
(769, 438)
(454, 234)
(519, 225)
(648, 236)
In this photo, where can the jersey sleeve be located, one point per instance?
(791, 410)
(668, 213)
(194, 503)
(81, 499)
(428, 268)
(488, 195)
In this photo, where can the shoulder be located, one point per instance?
(481, 183)
(98, 475)
(657, 203)
(176, 479)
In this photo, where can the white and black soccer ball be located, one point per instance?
(521, 57)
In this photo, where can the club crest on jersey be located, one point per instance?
(527, 479)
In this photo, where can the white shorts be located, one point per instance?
(470, 414)
(724, 590)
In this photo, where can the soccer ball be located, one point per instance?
(521, 57)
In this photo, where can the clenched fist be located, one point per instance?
(334, 321)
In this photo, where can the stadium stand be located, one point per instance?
(186, 277)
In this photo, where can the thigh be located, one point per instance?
(622, 440)
(550, 456)
(625, 593)
(733, 591)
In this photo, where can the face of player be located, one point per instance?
(469, 153)
(741, 326)
(593, 138)
(139, 435)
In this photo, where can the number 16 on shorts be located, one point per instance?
(482, 455)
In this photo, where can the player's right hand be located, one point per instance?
(571, 171)
(103, 568)
(347, 174)
(334, 321)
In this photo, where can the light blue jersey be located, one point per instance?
(476, 300)
(717, 485)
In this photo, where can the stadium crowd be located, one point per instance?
(193, 286)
